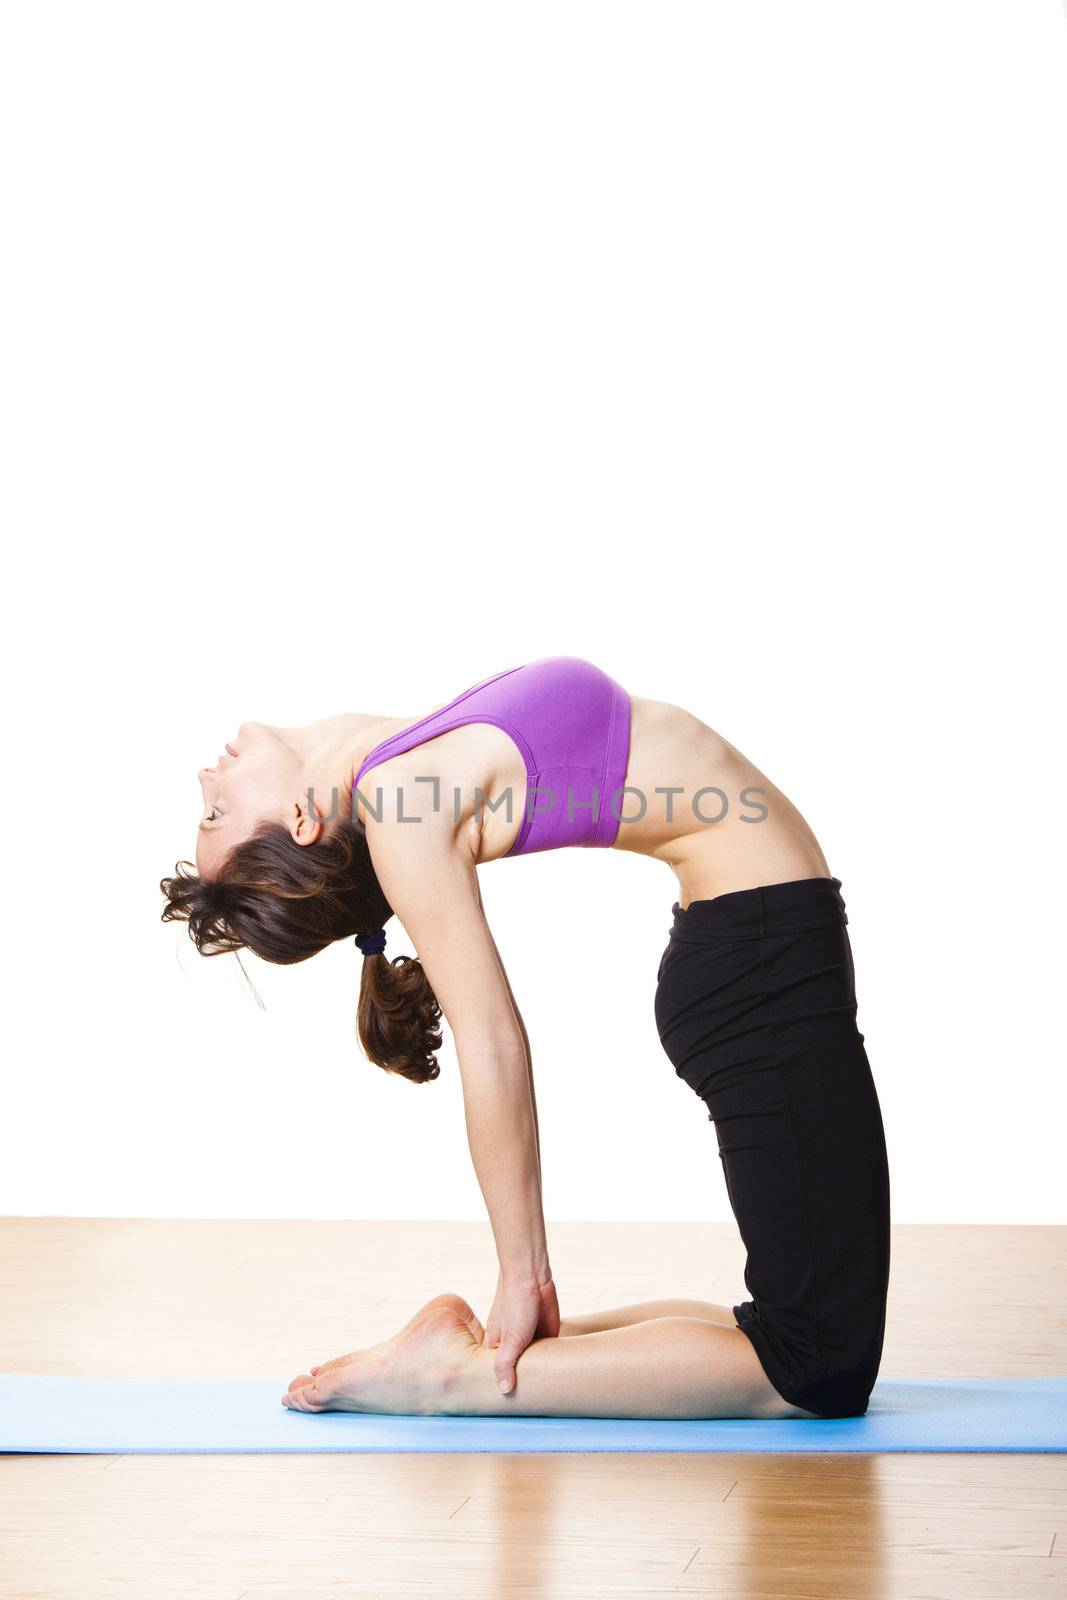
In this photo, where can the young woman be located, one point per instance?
(322, 832)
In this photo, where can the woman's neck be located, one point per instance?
(332, 750)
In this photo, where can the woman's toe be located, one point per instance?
(308, 1397)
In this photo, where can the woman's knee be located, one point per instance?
(839, 1393)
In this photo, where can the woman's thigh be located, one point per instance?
(764, 1030)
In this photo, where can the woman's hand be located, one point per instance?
(523, 1310)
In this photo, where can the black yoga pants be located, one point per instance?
(756, 1008)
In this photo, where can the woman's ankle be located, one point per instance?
(460, 1381)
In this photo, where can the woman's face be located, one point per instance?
(251, 782)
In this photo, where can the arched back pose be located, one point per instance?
(320, 833)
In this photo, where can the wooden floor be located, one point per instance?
(231, 1299)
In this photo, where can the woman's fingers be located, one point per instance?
(508, 1352)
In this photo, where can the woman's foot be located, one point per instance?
(409, 1374)
(454, 1300)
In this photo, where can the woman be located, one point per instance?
(755, 1006)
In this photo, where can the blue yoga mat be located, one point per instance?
(104, 1416)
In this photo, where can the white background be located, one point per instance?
(352, 353)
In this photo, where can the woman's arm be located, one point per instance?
(525, 1041)
(428, 873)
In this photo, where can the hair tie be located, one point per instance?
(372, 944)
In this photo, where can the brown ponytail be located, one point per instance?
(285, 902)
(398, 1017)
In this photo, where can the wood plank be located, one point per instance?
(146, 1297)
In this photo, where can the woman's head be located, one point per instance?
(261, 777)
(279, 874)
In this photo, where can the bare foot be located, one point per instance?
(454, 1300)
(408, 1374)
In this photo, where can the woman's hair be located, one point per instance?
(285, 902)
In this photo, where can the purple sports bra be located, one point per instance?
(571, 724)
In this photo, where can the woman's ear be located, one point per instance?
(304, 823)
